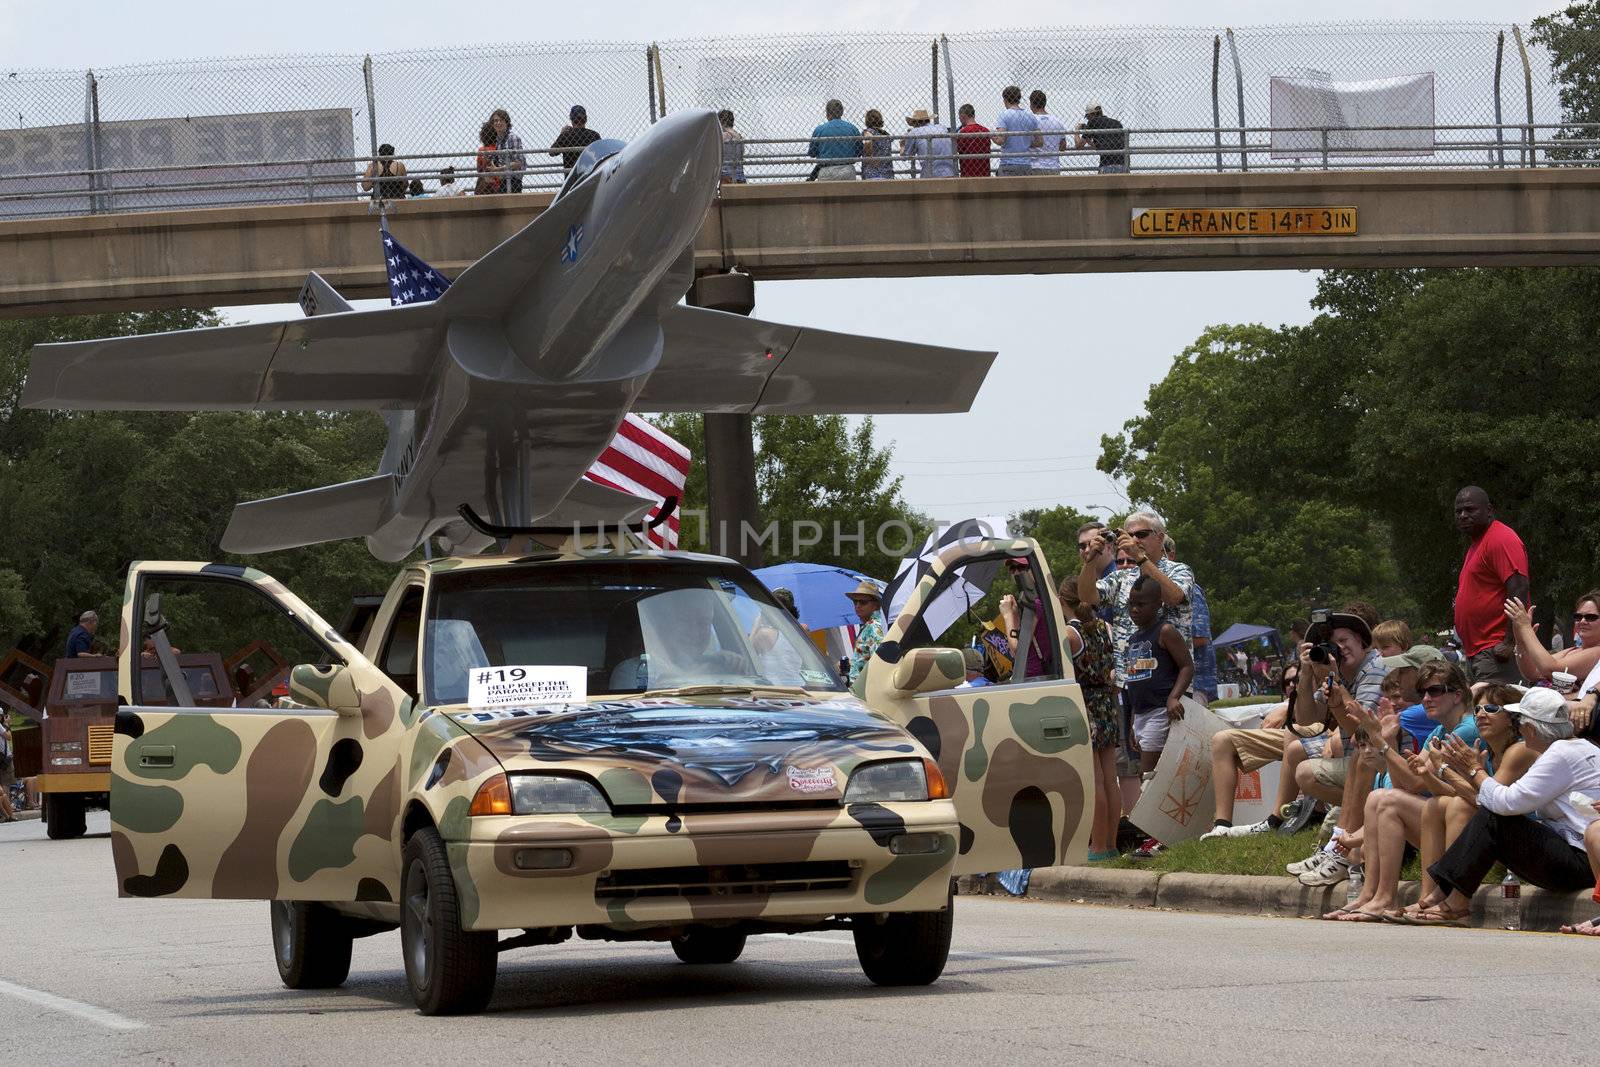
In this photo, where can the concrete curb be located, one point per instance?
(1238, 894)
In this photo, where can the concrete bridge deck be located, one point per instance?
(1058, 224)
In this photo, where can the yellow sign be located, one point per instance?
(1243, 221)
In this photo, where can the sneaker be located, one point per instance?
(1333, 869)
(1261, 827)
(1309, 861)
(1296, 814)
(1148, 850)
(1216, 832)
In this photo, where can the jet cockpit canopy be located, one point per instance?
(592, 157)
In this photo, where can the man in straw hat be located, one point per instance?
(926, 144)
(868, 601)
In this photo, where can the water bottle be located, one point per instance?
(1511, 902)
(1353, 884)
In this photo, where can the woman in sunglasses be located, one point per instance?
(1536, 663)
(1446, 815)
(1393, 813)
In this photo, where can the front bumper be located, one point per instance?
(660, 870)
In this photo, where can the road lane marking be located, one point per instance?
(87, 1012)
(953, 952)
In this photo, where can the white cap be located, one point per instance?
(89, 616)
(1541, 705)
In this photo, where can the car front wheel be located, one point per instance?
(707, 944)
(450, 970)
(905, 947)
(310, 943)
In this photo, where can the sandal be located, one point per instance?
(1439, 915)
(1592, 931)
(1337, 913)
(1358, 916)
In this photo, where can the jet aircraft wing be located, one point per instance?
(328, 513)
(714, 361)
(351, 361)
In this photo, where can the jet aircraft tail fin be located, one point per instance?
(329, 513)
(714, 361)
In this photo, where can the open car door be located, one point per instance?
(217, 792)
(1015, 754)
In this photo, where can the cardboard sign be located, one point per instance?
(1178, 804)
(527, 686)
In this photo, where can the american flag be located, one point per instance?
(641, 459)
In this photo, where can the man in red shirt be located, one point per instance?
(1495, 569)
(976, 146)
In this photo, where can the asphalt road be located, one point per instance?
(85, 977)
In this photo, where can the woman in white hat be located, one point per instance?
(1545, 850)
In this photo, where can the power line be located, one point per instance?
(1019, 459)
(990, 474)
(1060, 498)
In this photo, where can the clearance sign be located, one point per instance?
(1243, 221)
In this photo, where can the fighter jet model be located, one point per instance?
(501, 393)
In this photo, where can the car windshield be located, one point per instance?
(632, 625)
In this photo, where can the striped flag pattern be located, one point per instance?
(641, 459)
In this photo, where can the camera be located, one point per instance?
(1323, 651)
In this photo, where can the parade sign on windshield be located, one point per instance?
(1244, 222)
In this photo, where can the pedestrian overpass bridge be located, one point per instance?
(208, 257)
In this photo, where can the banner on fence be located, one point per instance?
(251, 144)
(1315, 100)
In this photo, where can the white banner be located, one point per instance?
(188, 142)
(1315, 100)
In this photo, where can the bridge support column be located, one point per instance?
(730, 442)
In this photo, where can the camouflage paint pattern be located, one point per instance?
(301, 802)
(1016, 758)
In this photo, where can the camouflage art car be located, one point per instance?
(622, 745)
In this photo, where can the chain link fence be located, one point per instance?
(296, 129)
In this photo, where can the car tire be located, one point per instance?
(450, 970)
(310, 944)
(904, 947)
(709, 944)
(64, 816)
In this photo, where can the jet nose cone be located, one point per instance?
(695, 137)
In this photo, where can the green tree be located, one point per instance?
(1056, 530)
(1244, 450)
(1572, 36)
(88, 492)
(812, 469)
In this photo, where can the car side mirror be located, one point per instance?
(923, 670)
(332, 687)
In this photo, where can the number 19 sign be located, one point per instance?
(525, 686)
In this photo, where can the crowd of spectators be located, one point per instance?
(1023, 141)
(1484, 751)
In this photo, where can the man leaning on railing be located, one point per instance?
(835, 145)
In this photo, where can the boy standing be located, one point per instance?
(1159, 671)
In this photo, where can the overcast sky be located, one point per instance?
(1080, 371)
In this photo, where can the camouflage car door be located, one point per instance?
(297, 801)
(1016, 757)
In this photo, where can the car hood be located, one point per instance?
(669, 753)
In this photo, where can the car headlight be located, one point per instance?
(886, 783)
(549, 794)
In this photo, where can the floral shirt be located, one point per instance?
(868, 637)
(1116, 587)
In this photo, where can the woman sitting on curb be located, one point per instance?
(1393, 814)
(1446, 815)
(1546, 850)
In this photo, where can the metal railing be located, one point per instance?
(789, 159)
(296, 129)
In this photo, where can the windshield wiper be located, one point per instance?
(708, 690)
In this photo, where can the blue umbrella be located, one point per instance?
(820, 591)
